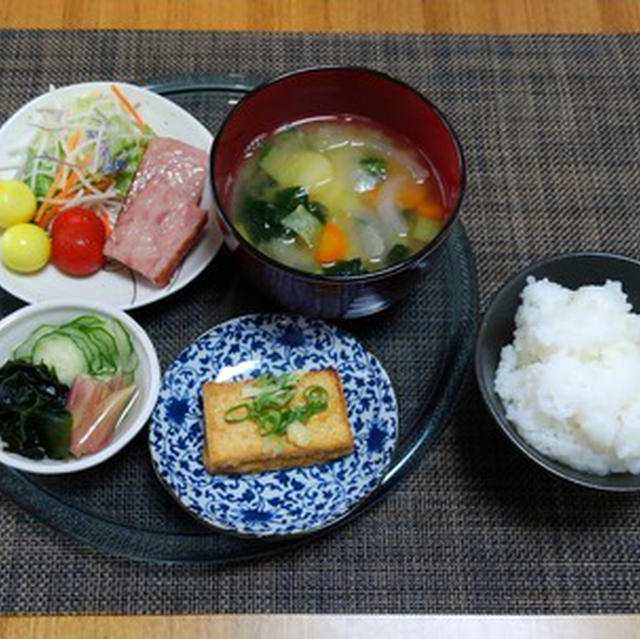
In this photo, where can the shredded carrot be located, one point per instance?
(128, 106)
(73, 140)
(41, 216)
(410, 195)
(45, 205)
(431, 209)
(333, 243)
(51, 211)
(104, 218)
(104, 183)
(71, 180)
(49, 215)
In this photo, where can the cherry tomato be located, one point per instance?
(77, 240)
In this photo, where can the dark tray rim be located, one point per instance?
(118, 540)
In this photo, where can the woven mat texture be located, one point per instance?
(550, 126)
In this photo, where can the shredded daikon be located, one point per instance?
(84, 152)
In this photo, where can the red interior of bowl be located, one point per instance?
(326, 92)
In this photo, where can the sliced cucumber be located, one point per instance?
(87, 321)
(122, 337)
(96, 346)
(128, 356)
(91, 351)
(105, 342)
(23, 351)
(60, 353)
(97, 342)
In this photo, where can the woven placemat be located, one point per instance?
(550, 129)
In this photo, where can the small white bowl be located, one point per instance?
(16, 327)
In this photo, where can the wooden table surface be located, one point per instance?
(428, 16)
(425, 16)
(320, 627)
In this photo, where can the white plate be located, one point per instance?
(119, 288)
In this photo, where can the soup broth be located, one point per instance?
(338, 197)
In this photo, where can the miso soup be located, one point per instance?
(338, 196)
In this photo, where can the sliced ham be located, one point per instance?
(160, 220)
(96, 407)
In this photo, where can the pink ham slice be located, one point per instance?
(96, 407)
(160, 220)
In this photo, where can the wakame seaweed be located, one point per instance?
(261, 185)
(262, 219)
(397, 253)
(33, 419)
(290, 198)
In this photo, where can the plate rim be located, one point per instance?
(211, 226)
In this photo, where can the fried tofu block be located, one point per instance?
(239, 447)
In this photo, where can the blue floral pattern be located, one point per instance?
(281, 502)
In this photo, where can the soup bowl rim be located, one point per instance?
(382, 273)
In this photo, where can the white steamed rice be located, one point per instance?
(570, 381)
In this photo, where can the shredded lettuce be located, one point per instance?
(87, 150)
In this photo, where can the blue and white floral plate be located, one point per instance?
(282, 502)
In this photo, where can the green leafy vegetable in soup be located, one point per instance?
(345, 267)
(376, 167)
(339, 197)
(397, 253)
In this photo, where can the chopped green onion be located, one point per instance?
(237, 413)
(269, 407)
(317, 396)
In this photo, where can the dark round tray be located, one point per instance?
(424, 343)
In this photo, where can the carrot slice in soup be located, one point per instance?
(332, 245)
(410, 195)
(371, 196)
(431, 209)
